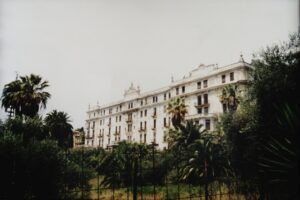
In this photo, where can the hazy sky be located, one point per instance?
(90, 50)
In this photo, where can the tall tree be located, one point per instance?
(230, 98)
(178, 110)
(26, 95)
(60, 129)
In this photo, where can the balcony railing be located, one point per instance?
(153, 128)
(141, 130)
(154, 115)
(204, 105)
(116, 133)
(129, 120)
(89, 136)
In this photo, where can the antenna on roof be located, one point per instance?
(17, 75)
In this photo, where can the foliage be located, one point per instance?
(120, 166)
(59, 127)
(40, 170)
(25, 96)
(230, 97)
(178, 110)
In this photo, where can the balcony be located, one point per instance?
(154, 115)
(116, 133)
(153, 128)
(128, 133)
(166, 126)
(204, 105)
(141, 130)
(89, 137)
(129, 120)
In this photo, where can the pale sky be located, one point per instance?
(91, 50)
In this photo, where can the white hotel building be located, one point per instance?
(143, 117)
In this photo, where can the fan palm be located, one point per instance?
(60, 129)
(178, 110)
(229, 97)
(181, 138)
(206, 162)
(25, 96)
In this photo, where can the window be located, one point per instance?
(141, 113)
(120, 117)
(129, 127)
(141, 138)
(183, 89)
(205, 110)
(199, 100)
(154, 111)
(141, 125)
(155, 99)
(116, 118)
(145, 113)
(165, 122)
(205, 97)
(231, 76)
(165, 96)
(199, 85)
(145, 125)
(119, 129)
(141, 102)
(199, 110)
(223, 78)
(205, 84)
(110, 111)
(144, 138)
(169, 95)
(177, 91)
(207, 124)
(154, 123)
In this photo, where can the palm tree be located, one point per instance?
(229, 98)
(206, 161)
(186, 135)
(26, 95)
(10, 98)
(60, 129)
(178, 110)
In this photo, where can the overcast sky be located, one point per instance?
(90, 50)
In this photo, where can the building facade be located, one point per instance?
(143, 117)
